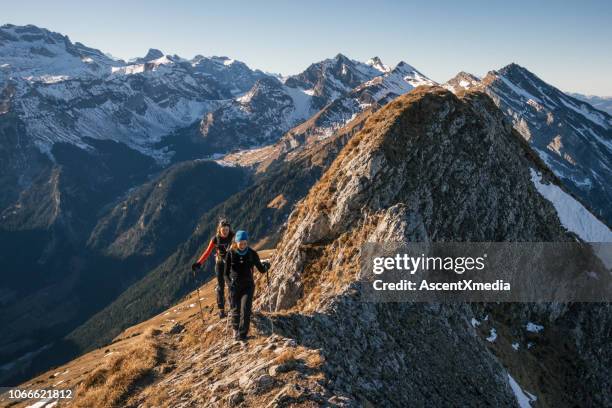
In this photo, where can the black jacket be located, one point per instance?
(239, 267)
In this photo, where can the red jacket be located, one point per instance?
(221, 244)
(207, 252)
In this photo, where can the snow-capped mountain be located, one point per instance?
(371, 94)
(258, 117)
(572, 137)
(65, 92)
(401, 79)
(331, 78)
(39, 55)
(272, 107)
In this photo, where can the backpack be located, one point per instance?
(220, 255)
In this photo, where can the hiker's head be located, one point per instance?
(223, 229)
(241, 240)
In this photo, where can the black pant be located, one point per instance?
(242, 300)
(220, 289)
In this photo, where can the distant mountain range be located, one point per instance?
(603, 103)
(114, 173)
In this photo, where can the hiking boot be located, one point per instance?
(222, 314)
(236, 335)
(243, 337)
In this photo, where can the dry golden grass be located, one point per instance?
(159, 398)
(193, 337)
(110, 386)
(285, 357)
(278, 202)
(315, 360)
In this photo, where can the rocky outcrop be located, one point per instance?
(430, 167)
(444, 168)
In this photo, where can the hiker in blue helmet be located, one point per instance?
(239, 263)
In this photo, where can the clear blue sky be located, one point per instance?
(566, 43)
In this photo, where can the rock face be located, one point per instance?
(573, 138)
(428, 167)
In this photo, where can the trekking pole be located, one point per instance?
(229, 314)
(199, 299)
(269, 304)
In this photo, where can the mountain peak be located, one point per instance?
(403, 66)
(341, 57)
(153, 54)
(38, 54)
(514, 69)
(376, 63)
(463, 80)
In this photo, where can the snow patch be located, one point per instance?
(45, 403)
(225, 163)
(523, 398)
(492, 336)
(128, 70)
(571, 213)
(302, 105)
(534, 328)
(376, 63)
(475, 323)
(519, 91)
(515, 346)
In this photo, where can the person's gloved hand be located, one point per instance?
(195, 266)
(266, 265)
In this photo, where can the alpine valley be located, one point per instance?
(115, 173)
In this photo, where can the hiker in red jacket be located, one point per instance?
(220, 243)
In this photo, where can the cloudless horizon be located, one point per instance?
(564, 44)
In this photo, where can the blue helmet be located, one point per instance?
(241, 236)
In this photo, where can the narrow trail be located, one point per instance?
(196, 363)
